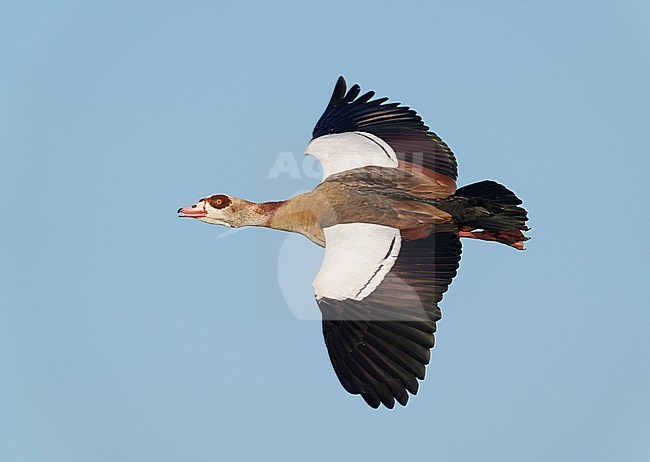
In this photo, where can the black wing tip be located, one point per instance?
(342, 94)
(340, 89)
(374, 401)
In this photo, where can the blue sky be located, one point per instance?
(128, 334)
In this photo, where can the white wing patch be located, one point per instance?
(357, 258)
(345, 151)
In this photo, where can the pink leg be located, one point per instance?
(513, 238)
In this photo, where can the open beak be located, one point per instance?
(193, 211)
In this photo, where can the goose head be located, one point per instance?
(218, 209)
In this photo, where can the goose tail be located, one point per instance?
(489, 211)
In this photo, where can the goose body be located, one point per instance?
(390, 218)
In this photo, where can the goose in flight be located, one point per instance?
(390, 218)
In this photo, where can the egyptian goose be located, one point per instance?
(390, 218)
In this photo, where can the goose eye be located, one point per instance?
(219, 201)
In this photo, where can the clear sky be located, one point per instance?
(127, 334)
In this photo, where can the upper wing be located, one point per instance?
(378, 294)
(357, 131)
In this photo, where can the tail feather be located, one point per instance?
(501, 204)
(488, 189)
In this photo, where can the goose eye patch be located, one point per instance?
(219, 201)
